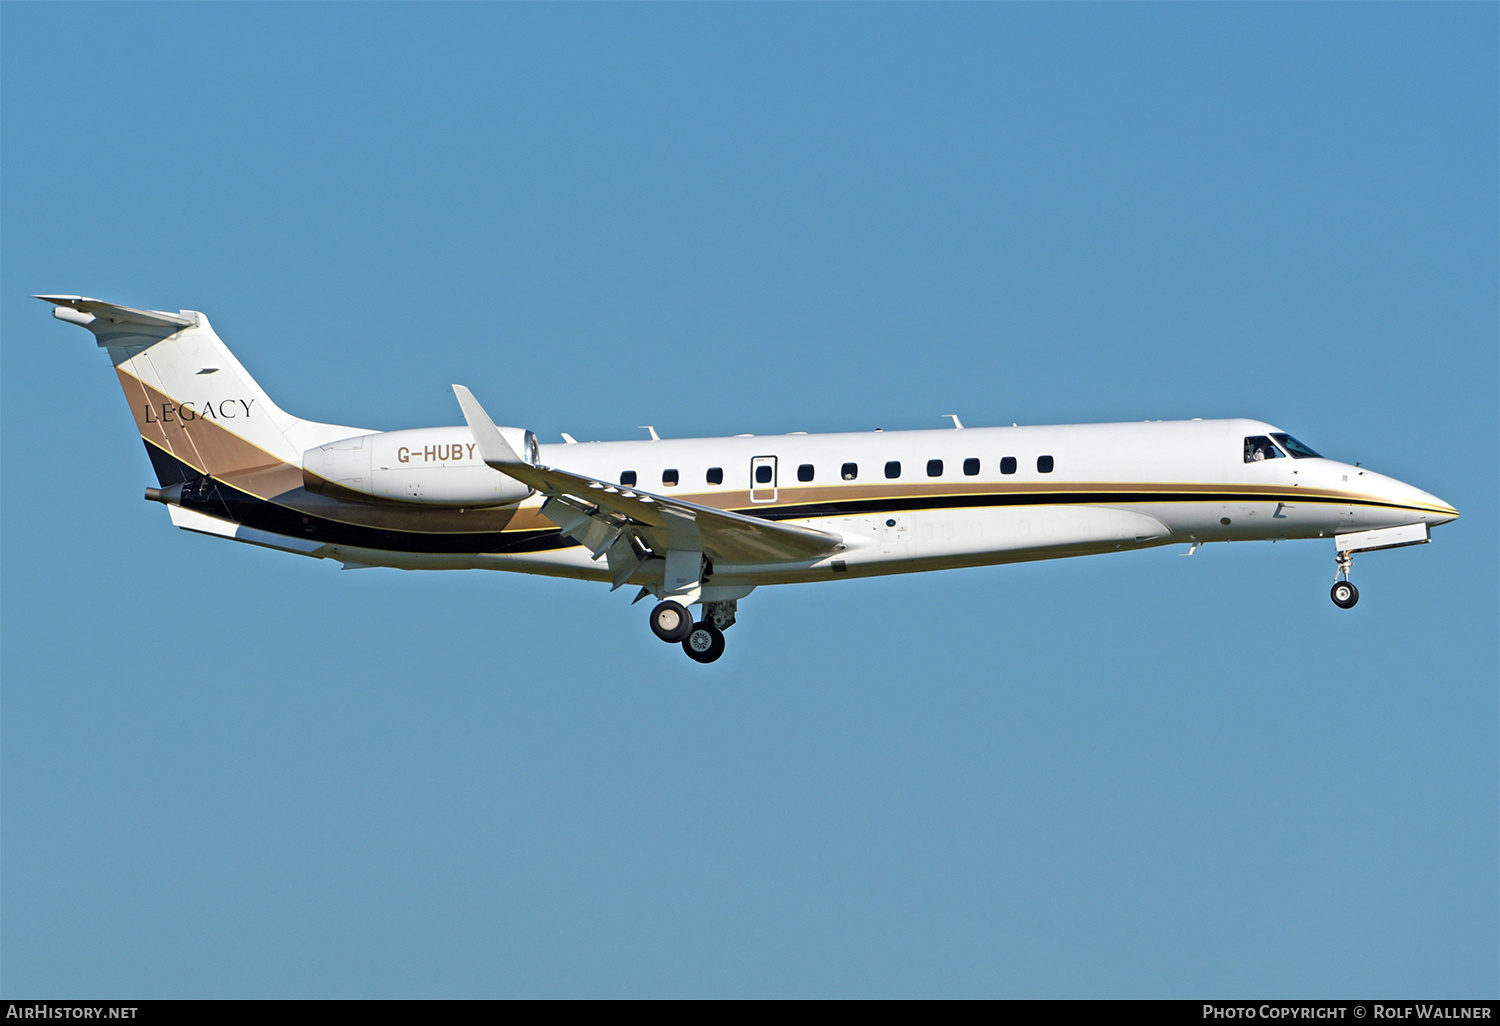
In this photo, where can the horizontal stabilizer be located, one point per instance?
(88, 312)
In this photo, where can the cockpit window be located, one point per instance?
(1259, 447)
(1296, 448)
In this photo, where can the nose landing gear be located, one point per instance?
(1344, 593)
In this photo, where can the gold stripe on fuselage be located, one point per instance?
(211, 448)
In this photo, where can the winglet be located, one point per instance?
(493, 448)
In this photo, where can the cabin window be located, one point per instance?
(1044, 464)
(971, 467)
(715, 475)
(763, 474)
(934, 468)
(627, 478)
(1296, 448)
(669, 478)
(805, 472)
(893, 468)
(1008, 465)
(850, 471)
(1259, 447)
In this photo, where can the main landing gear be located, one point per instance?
(702, 641)
(1344, 593)
(671, 622)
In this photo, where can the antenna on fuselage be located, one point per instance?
(957, 424)
(647, 427)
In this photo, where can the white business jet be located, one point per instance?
(705, 521)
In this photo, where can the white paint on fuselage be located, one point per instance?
(1119, 486)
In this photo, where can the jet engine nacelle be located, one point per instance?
(430, 466)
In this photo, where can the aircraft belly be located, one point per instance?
(951, 538)
(1014, 532)
(1253, 520)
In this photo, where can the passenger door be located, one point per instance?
(763, 479)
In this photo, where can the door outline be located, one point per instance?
(760, 492)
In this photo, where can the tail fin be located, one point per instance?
(198, 411)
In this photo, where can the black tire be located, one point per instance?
(671, 622)
(1344, 594)
(704, 642)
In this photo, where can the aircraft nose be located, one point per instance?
(1428, 508)
(1446, 512)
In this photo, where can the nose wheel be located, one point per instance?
(1344, 593)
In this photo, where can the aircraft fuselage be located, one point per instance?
(904, 501)
(704, 521)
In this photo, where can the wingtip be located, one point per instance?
(493, 448)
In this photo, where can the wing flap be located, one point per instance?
(612, 510)
(726, 536)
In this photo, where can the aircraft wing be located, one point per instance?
(599, 514)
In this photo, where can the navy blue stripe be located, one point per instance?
(214, 497)
(169, 469)
(855, 507)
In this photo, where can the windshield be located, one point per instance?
(1296, 448)
(1259, 447)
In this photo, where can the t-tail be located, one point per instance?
(196, 408)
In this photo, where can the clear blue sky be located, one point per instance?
(229, 772)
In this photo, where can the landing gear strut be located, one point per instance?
(1344, 593)
(720, 614)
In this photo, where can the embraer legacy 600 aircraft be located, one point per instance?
(705, 521)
